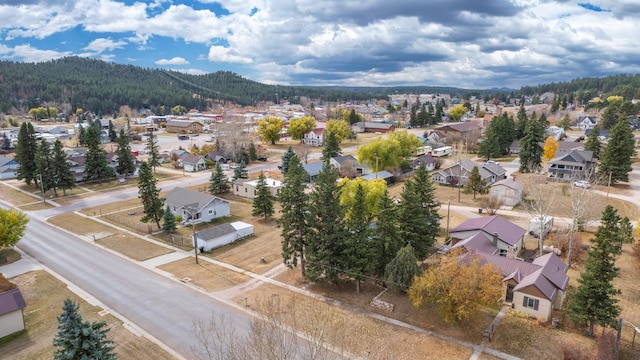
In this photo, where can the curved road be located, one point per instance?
(159, 306)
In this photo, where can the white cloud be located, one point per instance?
(30, 54)
(102, 44)
(223, 54)
(191, 71)
(174, 61)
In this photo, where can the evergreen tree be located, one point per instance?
(325, 239)
(26, 153)
(63, 177)
(490, 145)
(331, 147)
(475, 183)
(218, 182)
(286, 157)
(81, 135)
(43, 165)
(565, 123)
(149, 193)
(153, 150)
(79, 340)
(399, 273)
(6, 142)
(294, 211)
(126, 165)
(530, 149)
(523, 122)
(96, 165)
(356, 255)
(253, 155)
(594, 301)
(419, 221)
(385, 241)
(240, 172)
(592, 143)
(169, 221)
(353, 117)
(262, 203)
(112, 132)
(617, 154)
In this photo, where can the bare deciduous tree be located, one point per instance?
(541, 197)
(491, 204)
(302, 151)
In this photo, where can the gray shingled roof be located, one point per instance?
(191, 159)
(10, 301)
(510, 183)
(313, 168)
(506, 230)
(216, 231)
(180, 197)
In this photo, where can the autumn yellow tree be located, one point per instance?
(408, 142)
(550, 148)
(459, 286)
(457, 112)
(298, 127)
(380, 154)
(269, 129)
(373, 190)
(340, 128)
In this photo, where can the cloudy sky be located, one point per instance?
(461, 43)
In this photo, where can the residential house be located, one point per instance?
(374, 127)
(248, 188)
(222, 234)
(216, 157)
(603, 134)
(184, 127)
(535, 288)
(76, 163)
(11, 312)
(586, 122)
(384, 175)
(434, 138)
(178, 153)
(347, 165)
(514, 147)
(427, 160)
(193, 163)
(314, 137)
(572, 165)
(313, 170)
(507, 191)
(555, 132)
(201, 207)
(8, 167)
(463, 130)
(491, 235)
(458, 174)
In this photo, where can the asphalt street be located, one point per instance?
(160, 306)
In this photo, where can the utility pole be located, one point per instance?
(193, 225)
(44, 200)
(448, 214)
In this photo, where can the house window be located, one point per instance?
(503, 252)
(245, 190)
(236, 187)
(210, 212)
(531, 303)
(255, 193)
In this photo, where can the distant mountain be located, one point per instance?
(627, 85)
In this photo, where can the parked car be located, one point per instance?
(491, 162)
(262, 158)
(183, 137)
(582, 184)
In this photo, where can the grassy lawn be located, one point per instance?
(133, 247)
(205, 275)
(17, 198)
(80, 225)
(44, 296)
(35, 206)
(375, 339)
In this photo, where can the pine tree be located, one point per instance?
(331, 147)
(43, 166)
(112, 132)
(286, 157)
(253, 155)
(218, 182)
(327, 231)
(80, 340)
(81, 134)
(356, 255)
(592, 143)
(26, 153)
(96, 165)
(6, 142)
(240, 172)
(401, 270)
(476, 184)
(616, 156)
(530, 148)
(169, 221)
(262, 203)
(63, 177)
(419, 221)
(153, 150)
(523, 122)
(126, 165)
(149, 193)
(385, 241)
(594, 301)
(294, 210)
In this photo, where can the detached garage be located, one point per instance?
(223, 234)
(11, 317)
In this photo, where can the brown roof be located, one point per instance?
(11, 301)
(191, 159)
(461, 127)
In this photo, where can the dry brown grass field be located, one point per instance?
(44, 296)
(205, 275)
(133, 247)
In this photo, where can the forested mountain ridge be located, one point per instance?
(626, 85)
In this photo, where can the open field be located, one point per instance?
(205, 275)
(44, 296)
(358, 334)
(133, 247)
(16, 197)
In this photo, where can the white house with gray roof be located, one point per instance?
(459, 173)
(202, 206)
(222, 234)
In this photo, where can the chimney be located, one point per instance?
(494, 240)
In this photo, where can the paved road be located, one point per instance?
(158, 305)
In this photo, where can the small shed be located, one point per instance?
(222, 234)
(11, 316)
